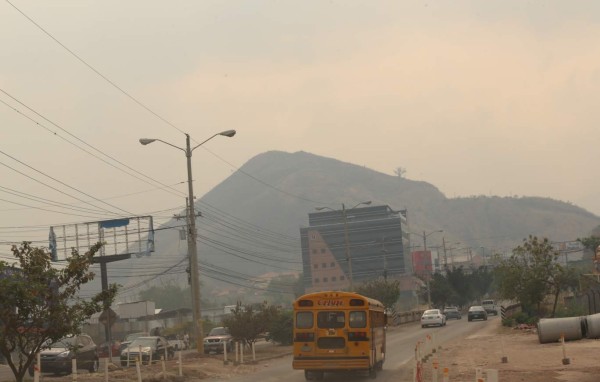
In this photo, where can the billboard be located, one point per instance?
(125, 236)
(422, 264)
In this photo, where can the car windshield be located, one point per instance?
(219, 332)
(143, 342)
(133, 336)
(66, 342)
(432, 312)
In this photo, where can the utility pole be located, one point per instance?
(445, 256)
(384, 251)
(192, 247)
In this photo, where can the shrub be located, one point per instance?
(281, 329)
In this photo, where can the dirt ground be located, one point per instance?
(195, 367)
(527, 359)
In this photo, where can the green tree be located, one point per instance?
(480, 281)
(247, 322)
(40, 303)
(590, 243)
(460, 284)
(440, 290)
(281, 328)
(169, 296)
(531, 273)
(385, 291)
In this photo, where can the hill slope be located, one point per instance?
(251, 222)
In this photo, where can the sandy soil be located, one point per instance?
(195, 367)
(527, 359)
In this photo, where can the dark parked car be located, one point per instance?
(151, 347)
(477, 313)
(58, 357)
(216, 339)
(452, 312)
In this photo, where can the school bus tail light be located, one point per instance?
(357, 336)
(304, 337)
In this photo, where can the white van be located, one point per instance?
(490, 307)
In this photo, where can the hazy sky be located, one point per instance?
(475, 97)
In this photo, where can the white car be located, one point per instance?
(433, 317)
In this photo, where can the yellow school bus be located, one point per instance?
(337, 332)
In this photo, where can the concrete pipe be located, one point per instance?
(551, 329)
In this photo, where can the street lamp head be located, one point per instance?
(228, 133)
(146, 141)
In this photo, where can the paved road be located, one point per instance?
(400, 351)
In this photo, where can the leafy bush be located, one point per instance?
(571, 309)
(519, 318)
(281, 328)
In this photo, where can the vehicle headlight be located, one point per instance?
(146, 350)
(64, 354)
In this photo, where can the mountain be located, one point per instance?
(250, 223)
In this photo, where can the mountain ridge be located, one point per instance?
(250, 223)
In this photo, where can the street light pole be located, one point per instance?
(428, 275)
(346, 240)
(192, 248)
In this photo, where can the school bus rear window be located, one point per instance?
(304, 320)
(358, 319)
(330, 320)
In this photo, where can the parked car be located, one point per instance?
(151, 347)
(490, 307)
(433, 317)
(177, 343)
(103, 349)
(130, 337)
(452, 312)
(57, 358)
(477, 312)
(216, 339)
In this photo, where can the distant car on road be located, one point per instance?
(452, 312)
(58, 357)
(476, 312)
(490, 307)
(433, 317)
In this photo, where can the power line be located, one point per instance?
(95, 70)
